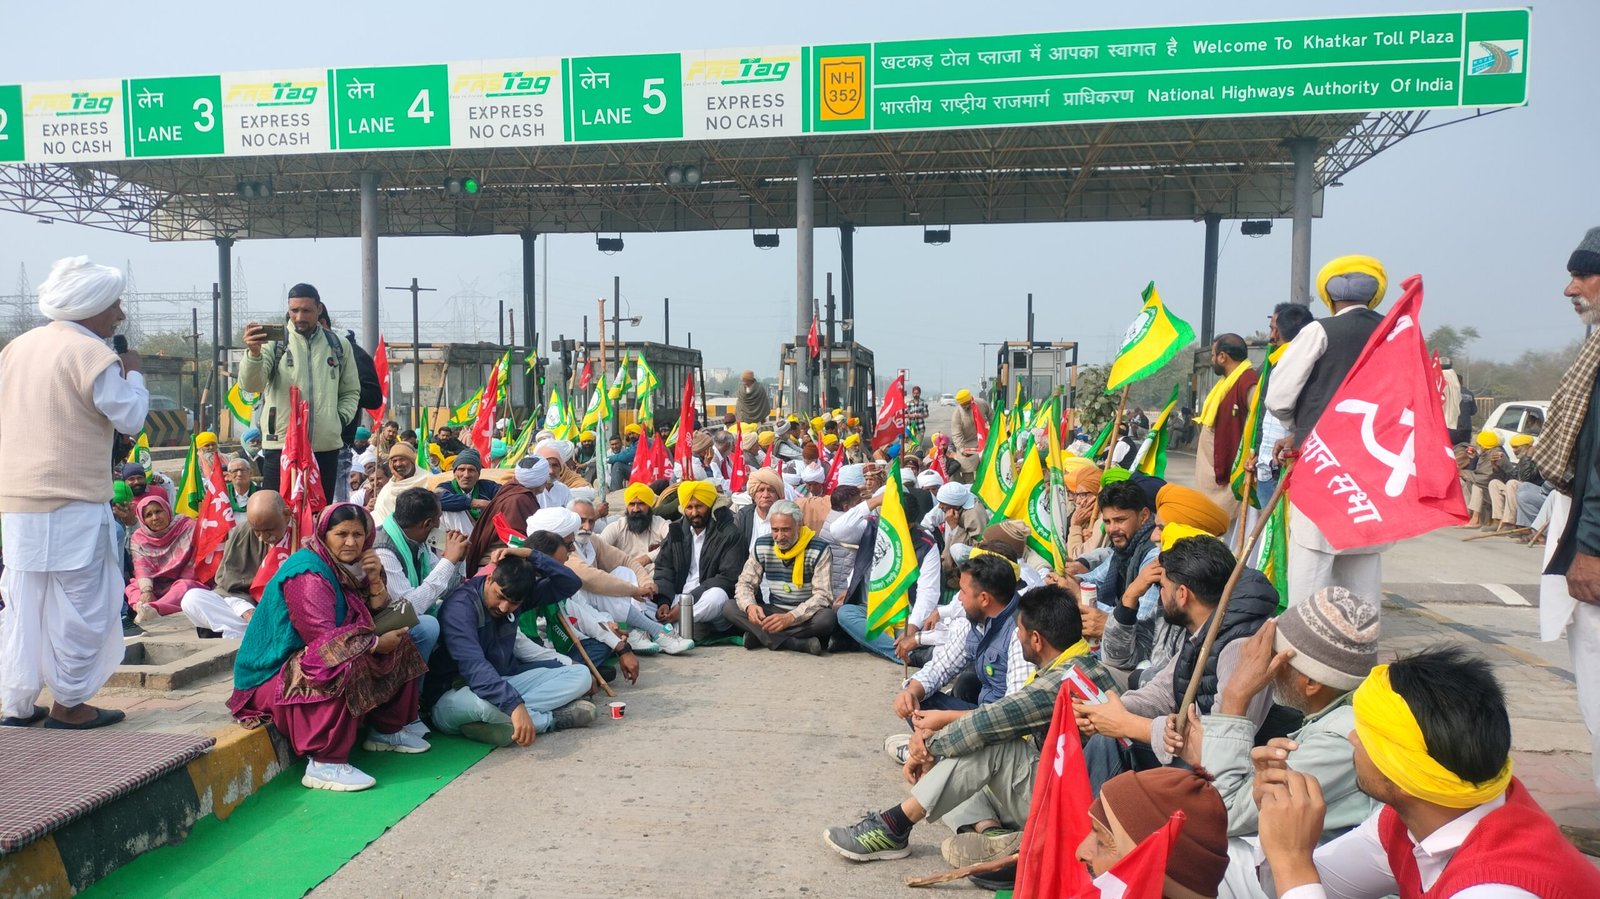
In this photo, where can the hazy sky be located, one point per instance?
(1487, 211)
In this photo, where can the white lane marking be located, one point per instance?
(1507, 595)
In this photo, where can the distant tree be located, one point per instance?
(1448, 340)
(1094, 406)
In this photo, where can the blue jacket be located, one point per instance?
(476, 650)
(451, 499)
(989, 652)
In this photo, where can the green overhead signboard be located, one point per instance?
(1434, 60)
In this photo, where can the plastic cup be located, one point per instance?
(618, 709)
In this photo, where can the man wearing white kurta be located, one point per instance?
(63, 394)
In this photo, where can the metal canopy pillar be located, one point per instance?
(1304, 151)
(805, 171)
(1208, 281)
(224, 294)
(369, 260)
(847, 280)
(530, 336)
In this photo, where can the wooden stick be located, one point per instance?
(583, 653)
(1227, 593)
(1511, 533)
(1244, 506)
(905, 663)
(958, 873)
(1116, 422)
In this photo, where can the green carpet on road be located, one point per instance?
(286, 839)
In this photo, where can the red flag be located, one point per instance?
(380, 363)
(269, 566)
(979, 423)
(813, 342)
(301, 479)
(643, 461)
(770, 461)
(1142, 873)
(1058, 818)
(216, 521)
(833, 469)
(891, 415)
(684, 454)
(740, 474)
(587, 378)
(505, 533)
(1378, 466)
(482, 434)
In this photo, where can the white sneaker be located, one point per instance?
(339, 778)
(898, 747)
(642, 643)
(672, 644)
(416, 728)
(399, 741)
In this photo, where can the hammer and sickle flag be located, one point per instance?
(1378, 465)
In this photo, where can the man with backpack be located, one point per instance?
(317, 361)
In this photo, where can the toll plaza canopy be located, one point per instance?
(1189, 122)
(1116, 124)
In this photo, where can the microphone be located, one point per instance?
(119, 343)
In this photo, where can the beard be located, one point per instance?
(1173, 616)
(1588, 312)
(1284, 694)
(639, 522)
(1217, 369)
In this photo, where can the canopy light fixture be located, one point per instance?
(608, 245)
(765, 241)
(1256, 228)
(936, 236)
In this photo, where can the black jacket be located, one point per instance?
(1254, 602)
(722, 556)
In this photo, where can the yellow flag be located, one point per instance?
(1155, 336)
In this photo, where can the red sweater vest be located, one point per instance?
(1516, 844)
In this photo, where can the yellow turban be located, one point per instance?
(449, 462)
(830, 439)
(853, 440)
(794, 419)
(1172, 533)
(205, 438)
(639, 493)
(703, 491)
(1488, 439)
(766, 438)
(1520, 440)
(838, 413)
(1393, 740)
(963, 396)
(631, 430)
(1340, 268)
(1177, 504)
(817, 423)
(587, 435)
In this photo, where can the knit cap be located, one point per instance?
(1334, 636)
(1585, 260)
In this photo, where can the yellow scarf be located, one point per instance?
(797, 553)
(1079, 648)
(1208, 412)
(1393, 740)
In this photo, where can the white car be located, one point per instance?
(1517, 417)
(947, 399)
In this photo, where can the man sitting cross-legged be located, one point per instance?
(784, 598)
(700, 560)
(505, 699)
(978, 769)
(227, 609)
(417, 576)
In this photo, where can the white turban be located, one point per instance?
(558, 521)
(584, 495)
(566, 448)
(792, 479)
(78, 289)
(814, 474)
(852, 476)
(929, 479)
(958, 495)
(532, 472)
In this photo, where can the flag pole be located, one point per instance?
(1227, 593)
(582, 653)
(1116, 422)
(1244, 506)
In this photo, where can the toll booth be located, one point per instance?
(671, 364)
(1039, 369)
(843, 376)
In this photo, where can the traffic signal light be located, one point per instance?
(461, 186)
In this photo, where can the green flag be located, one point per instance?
(1099, 442)
(644, 379)
(894, 562)
(1153, 462)
(1272, 557)
(191, 490)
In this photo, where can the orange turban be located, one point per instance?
(1177, 504)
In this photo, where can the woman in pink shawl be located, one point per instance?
(163, 559)
(310, 663)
